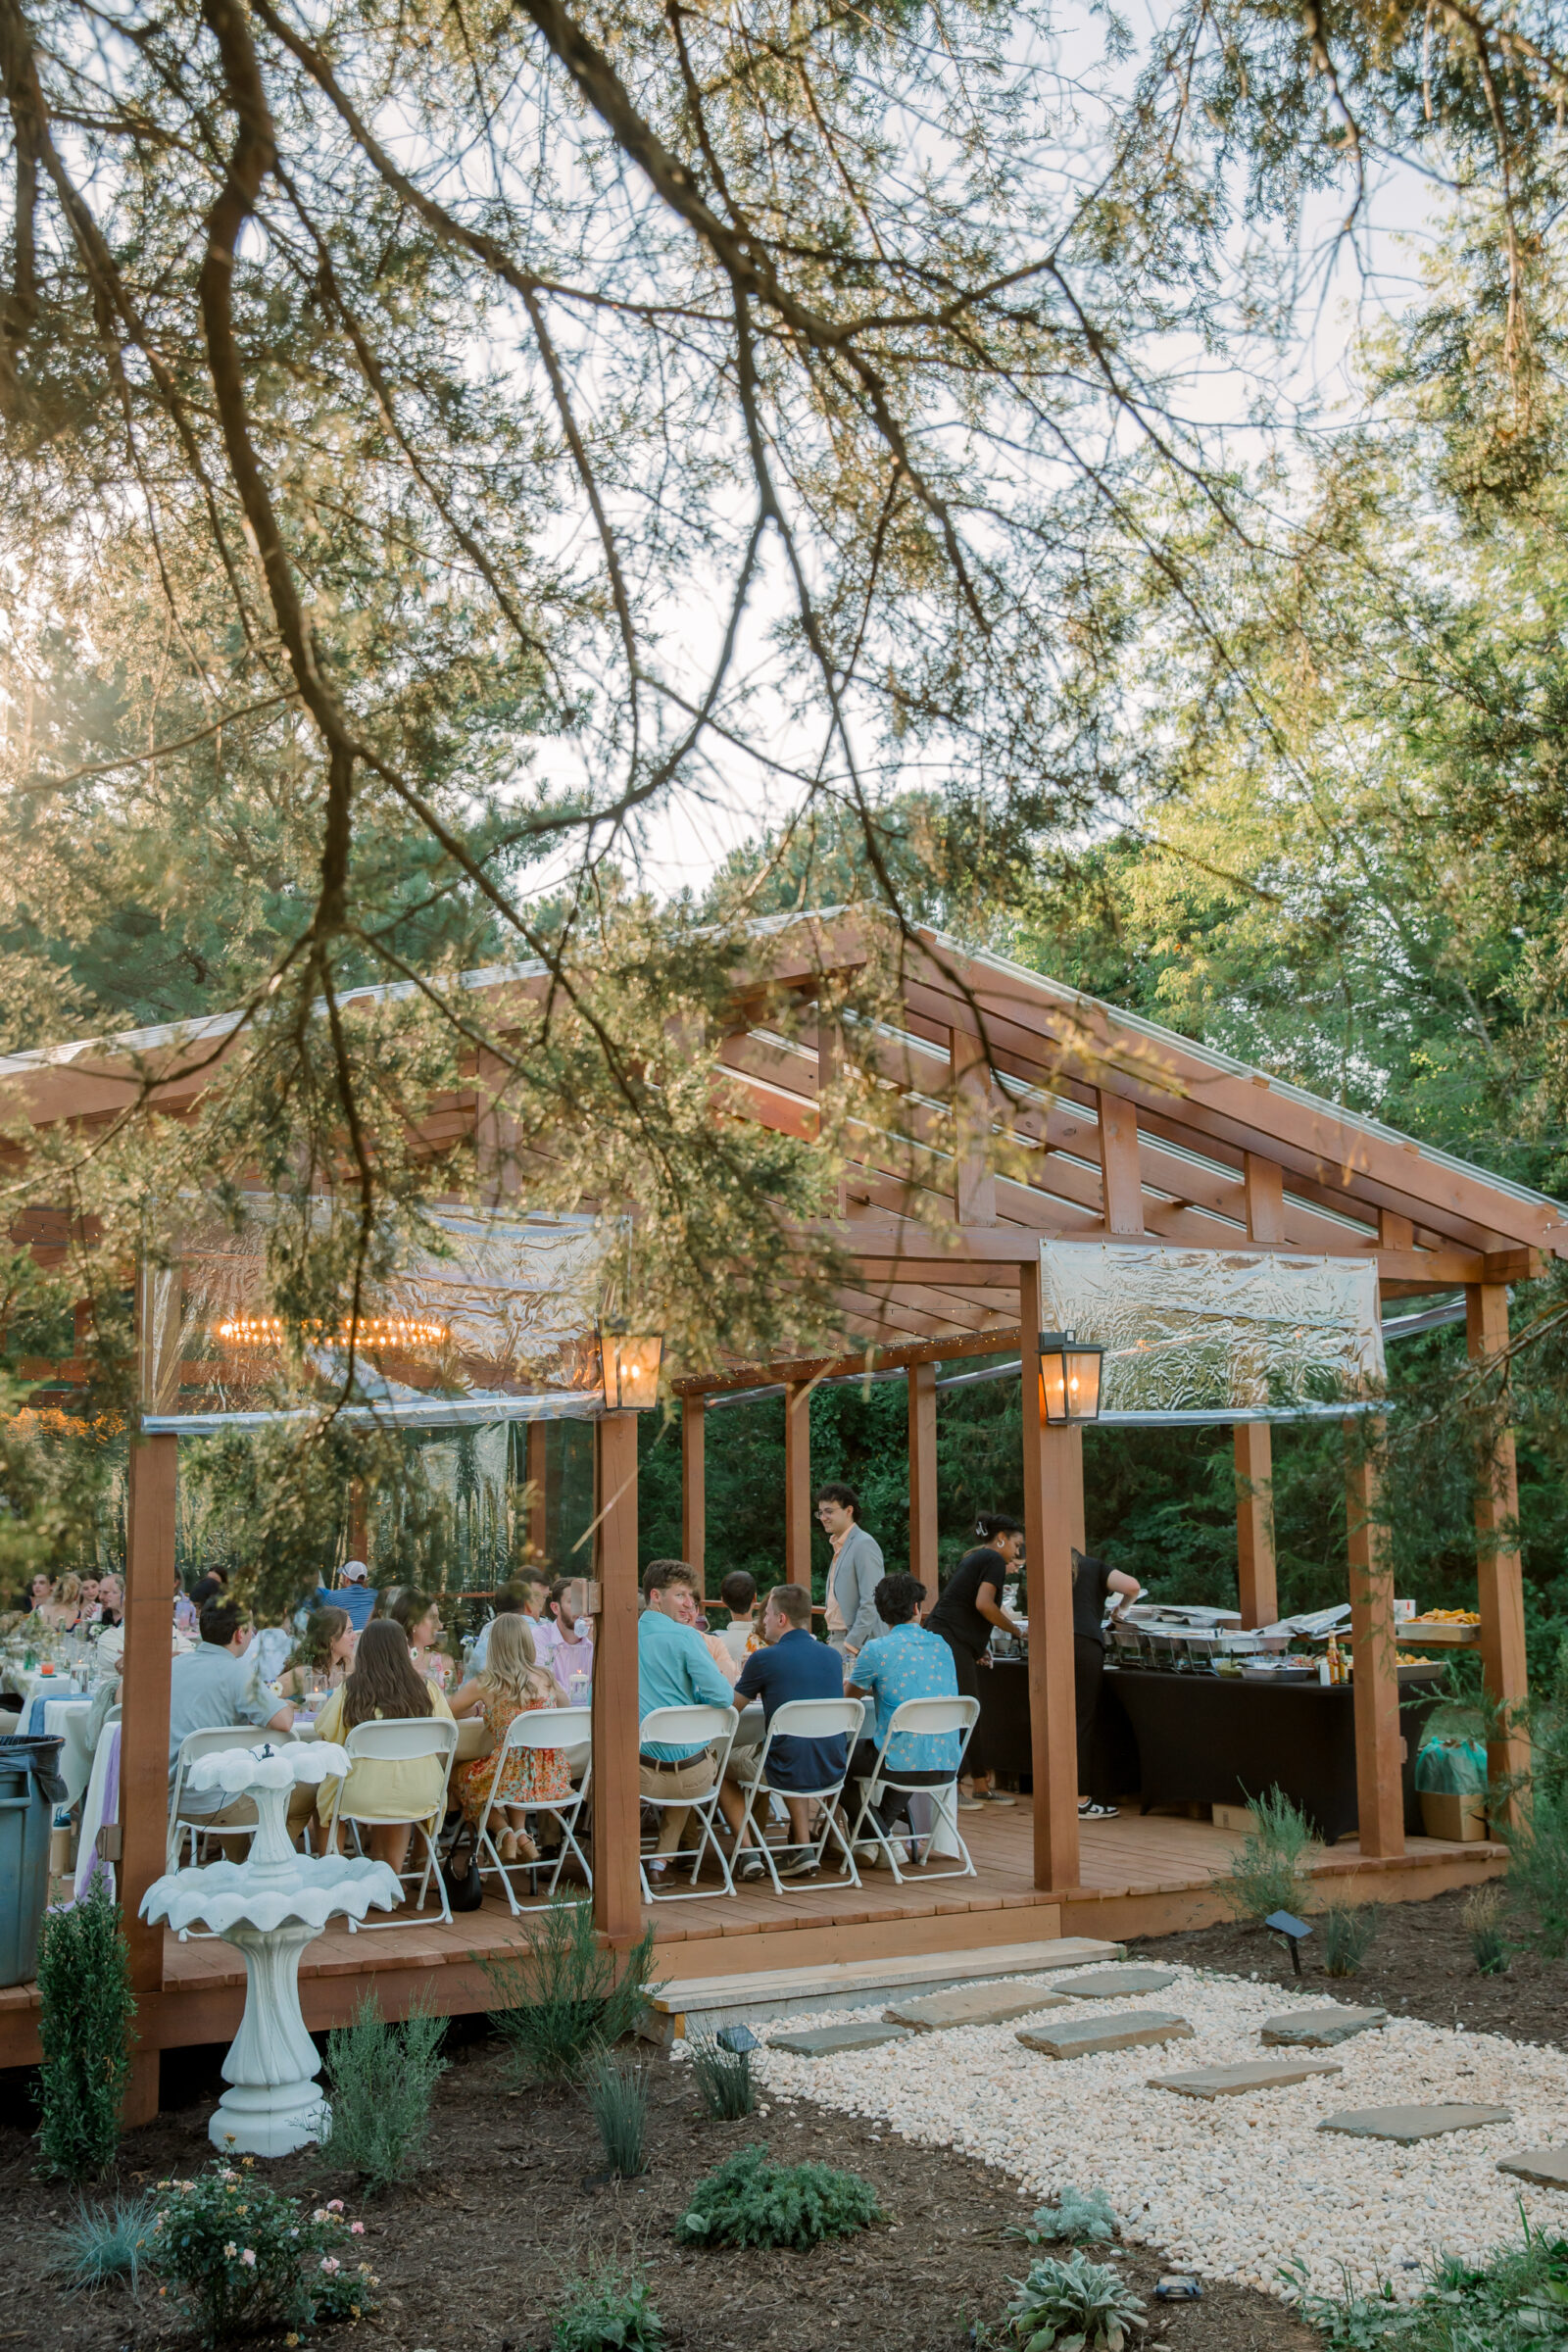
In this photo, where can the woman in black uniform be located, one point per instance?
(970, 1604)
(1092, 1580)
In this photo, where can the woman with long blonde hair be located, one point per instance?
(511, 1684)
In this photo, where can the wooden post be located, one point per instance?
(693, 1483)
(974, 1187)
(494, 1131)
(1264, 1187)
(1499, 1571)
(150, 1519)
(798, 1483)
(1255, 1578)
(1054, 1523)
(1122, 1181)
(1379, 1747)
(618, 1895)
(359, 1522)
(923, 1386)
(829, 1075)
(537, 1467)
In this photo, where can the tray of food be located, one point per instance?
(1442, 1628)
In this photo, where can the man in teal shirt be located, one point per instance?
(673, 1670)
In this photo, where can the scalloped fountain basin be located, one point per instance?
(270, 1907)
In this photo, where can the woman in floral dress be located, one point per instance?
(511, 1684)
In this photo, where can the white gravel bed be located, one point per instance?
(1232, 2187)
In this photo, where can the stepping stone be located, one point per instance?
(1319, 2028)
(1410, 2123)
(1084, 2040)
(1547, 2166)
(1229, 2081)
(1116, 1983)
(973, 2005)
(822, 2041)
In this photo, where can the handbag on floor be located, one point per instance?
(465, 1892)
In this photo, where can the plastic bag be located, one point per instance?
(1451, 1768)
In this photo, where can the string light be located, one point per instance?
(373, 1331)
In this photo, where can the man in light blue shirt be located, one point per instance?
(215, 1686)
(673, 1670)
(906, 1663)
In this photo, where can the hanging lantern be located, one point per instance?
(1069, 1380)
(628, 1368)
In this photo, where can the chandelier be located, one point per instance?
(371, 1332)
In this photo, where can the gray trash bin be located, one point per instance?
(29, 1789)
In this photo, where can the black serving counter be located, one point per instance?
(1210, 1739)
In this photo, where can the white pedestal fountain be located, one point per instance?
(270, 1907)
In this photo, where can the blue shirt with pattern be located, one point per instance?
(908, 1663)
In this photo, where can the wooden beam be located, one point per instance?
(1379, 1747)
(1499, 1570)
(693, 1483)
(872, 1358)
(618, 1895)
(798, 1482)
(974, 1187)
(150, 1523)
(1054, 1523)
(537, 1467)
(1264, 1183)
(1121, 1177)
(923, 1386)
(1256, 1579)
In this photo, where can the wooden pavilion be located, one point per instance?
(1015, 1109)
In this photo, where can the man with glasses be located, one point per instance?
(855, 1572)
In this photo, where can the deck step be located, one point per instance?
(685, 2005)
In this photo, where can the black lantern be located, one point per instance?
(628, 1368)
(1069, 1380)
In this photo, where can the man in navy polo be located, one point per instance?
(793, 1664)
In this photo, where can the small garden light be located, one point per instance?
(1295, 1932)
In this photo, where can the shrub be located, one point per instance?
(104, 2244)
(1267, 1875)
(746, 2201)
(608, 2311)
(246, 2257)
(1080, 2214)
(85, 2027)
(568, 1998)
(1076, 2302)
(1516, 2302)
(618, 2096)
(1537, 1865)
(724, 2080)
(382, 2078)
(1482, 1914)
(1349, 1931)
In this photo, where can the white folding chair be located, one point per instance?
(694, 1728)
(929, 1717)
(568, 1727)
(803, 1719)
(402, 1740)
(205, 1744)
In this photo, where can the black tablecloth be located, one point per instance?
(1209, 1739)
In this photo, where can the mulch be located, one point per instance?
(1420, 1966)
(472, 2254)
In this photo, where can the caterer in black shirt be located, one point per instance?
(1092, 1580)
(970, 1604)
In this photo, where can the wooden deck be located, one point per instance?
(1142, 1874)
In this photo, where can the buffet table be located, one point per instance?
(1207, 1738)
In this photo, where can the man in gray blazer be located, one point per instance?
(856, 1573)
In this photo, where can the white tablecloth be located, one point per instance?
(99, 1808)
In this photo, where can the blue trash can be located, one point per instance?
(29, 1789)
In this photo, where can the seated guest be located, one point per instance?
(689, 1612)
(738, 1592)
(909, 1662)
(673, 1670)
(353, 1592)
(214, 1685)
(385, 1685)
(273, 1646)
(212, 1584)
(513, 1682)
(420, 1619)
(61, 1610)
(792, 1664)
(527, 1595)
(562, 1637)
(40, 1593)
(326, 1649)
(186, 1614)
(88, 1614)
